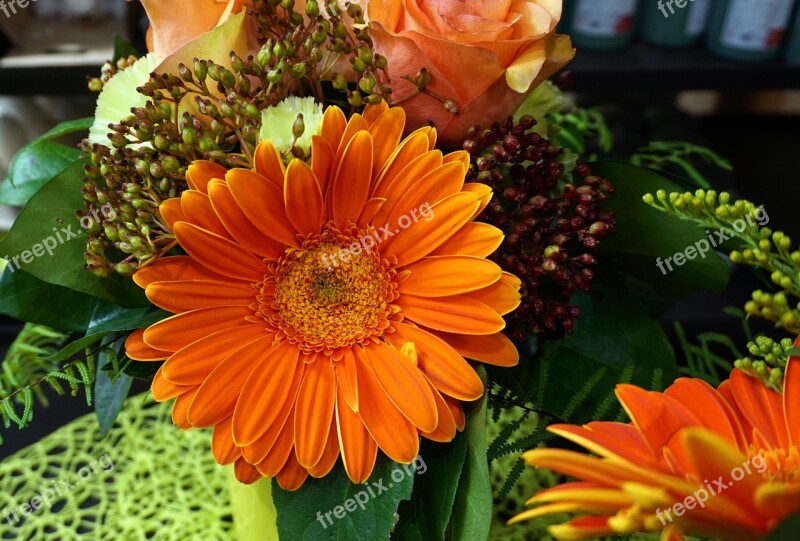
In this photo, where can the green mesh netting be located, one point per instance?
(149, 480)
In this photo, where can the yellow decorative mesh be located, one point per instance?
(145, 480)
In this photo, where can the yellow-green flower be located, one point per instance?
(278, 123)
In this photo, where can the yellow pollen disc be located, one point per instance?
(327, 296)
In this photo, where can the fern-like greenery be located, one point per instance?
(679, 157)
(26, 369)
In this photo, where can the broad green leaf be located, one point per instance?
(472, 511)
(788, 530)
(26, 298)
(123, 48)
(109, 396)
(40, 161)
(646, 236)
(333, 508)
(48, 242)
(427, 514)
(108, 319)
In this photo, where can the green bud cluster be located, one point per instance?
(108, 71)
(767, 360)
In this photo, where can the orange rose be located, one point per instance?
(485, 55)
(174, 23)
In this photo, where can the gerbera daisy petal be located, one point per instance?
(475, 239)
(495, 349)
(265, 386)
(263, 204)
(201, 172)
(184, 296)
(351, 183)
(423, 237)
(442, 276)
(373, 112)
(758, 404)
(179, 267)
(315, 404)
(359, 450)
(197, 209)
(222, 446)
(171, 211)
(164, 390)
(192, 364)
(446, 425)
(138, 350)
(303, 199)
(180, 409)
(347, 378)
(396, 188)
(245, 473)
(502, 296)
(393, 433)
(330, 455)
(240, 228)
(217, 395)
(430, 189)
(279, 453)
(441, 364)
(321, 161)
(218, 254)
(333, 125)
(268, 163)
(178, 331)
(386, 131)
(293, 474)
(405, 386)
(457, 314)
(413, 147)
(483, 192)
(791, 400)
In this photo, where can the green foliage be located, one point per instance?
(112, 385)
(788, 530)
(51, 215)
(679, 157)
(644, 235)
(749, 242)
(40, 161)
(26, 368)
(123, 49)
(297, 510)
(702, 360)
(576, 129)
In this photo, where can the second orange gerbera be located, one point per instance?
(721, 463)
(326, 309)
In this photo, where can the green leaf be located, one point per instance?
(793, 351)
(788, 530)
(40, 161)
(109, 395)
(472, 511)
(428, 512)
(646, 236)
(26, 298)
(615, 333)
(108, 319)
(123, 48)
(367, 511)
(48, 242)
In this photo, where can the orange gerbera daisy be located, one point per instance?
(721, 463)
(326, 309)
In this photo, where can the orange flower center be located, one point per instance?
(328, 295)
(781, 464)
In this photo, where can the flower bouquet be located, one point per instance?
(363, 246)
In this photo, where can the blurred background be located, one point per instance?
(719, 73)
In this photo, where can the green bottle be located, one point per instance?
(603, 25)
(676, 23)
(749, 29)
(793, 46)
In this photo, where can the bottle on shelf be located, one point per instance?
(602, 25)
(793, 45)
(749, 29)
(680, 23)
